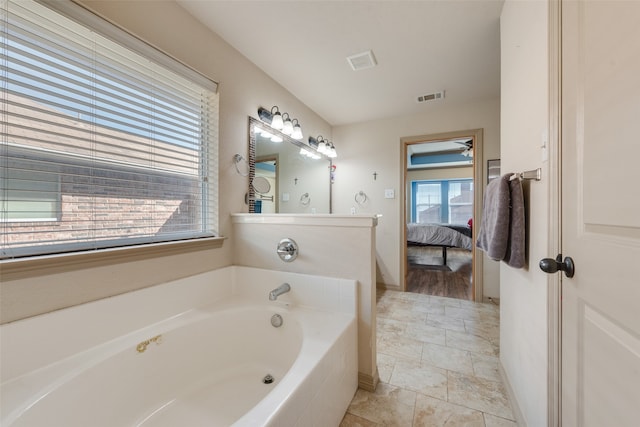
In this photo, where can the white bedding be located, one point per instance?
(437, 235)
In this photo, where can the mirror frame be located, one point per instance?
(251, 194)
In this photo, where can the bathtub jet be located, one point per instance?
(274, 294)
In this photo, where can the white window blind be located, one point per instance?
(105, 141)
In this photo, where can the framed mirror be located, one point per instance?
(297, 183)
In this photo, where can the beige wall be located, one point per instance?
(370, 147)
(243, 88)
(523, 303)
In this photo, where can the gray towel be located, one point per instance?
(493, 236)
(515, 253)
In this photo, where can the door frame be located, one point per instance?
(554, 281)
(478, 191)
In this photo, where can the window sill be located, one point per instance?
(23, 268)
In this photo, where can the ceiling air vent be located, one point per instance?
(362, 61)
(431, 96)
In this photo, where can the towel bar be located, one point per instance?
(535, 174)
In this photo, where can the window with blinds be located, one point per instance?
(442, 201)
(106, 142)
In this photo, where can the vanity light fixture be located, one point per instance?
(287, 126)
(322, 144)
(297, 130)
(276, 118)
(332, 154)
(281, 122)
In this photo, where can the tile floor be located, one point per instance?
(438, 365)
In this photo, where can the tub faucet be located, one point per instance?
(274, 294)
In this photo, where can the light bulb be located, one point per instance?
(322, 147)
(297, 132)
(276, 121)
(287, 126)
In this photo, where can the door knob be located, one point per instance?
(550, 265)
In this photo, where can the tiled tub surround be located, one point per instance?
(190, 352)
(438, 363)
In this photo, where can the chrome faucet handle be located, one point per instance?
(287, 250)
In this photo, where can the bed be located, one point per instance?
(442, 235)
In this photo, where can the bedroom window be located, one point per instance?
(106, 142)
(442, 201)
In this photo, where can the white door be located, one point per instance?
(601, 212)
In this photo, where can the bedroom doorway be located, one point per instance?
(443, 192)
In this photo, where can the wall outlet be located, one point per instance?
(285, 197)
(389, 193)
(353, 211)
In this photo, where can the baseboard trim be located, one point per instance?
(368, 382)
(512, 397)
(491, 300)
(381, 285)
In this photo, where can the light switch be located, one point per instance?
(389, 193)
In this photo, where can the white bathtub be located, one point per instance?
(192, 352)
